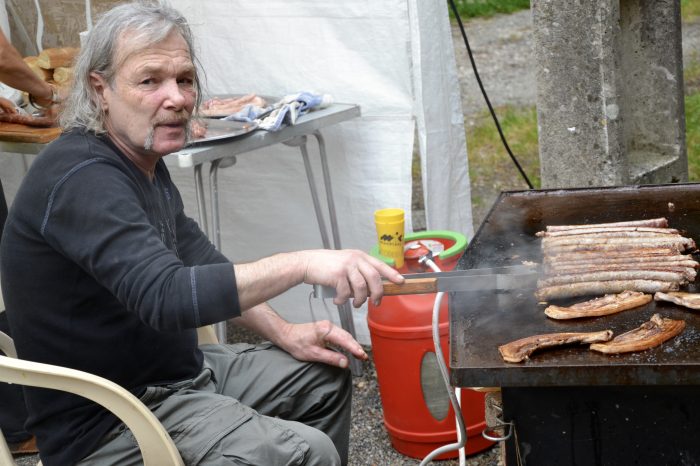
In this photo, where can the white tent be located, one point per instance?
(395, 59)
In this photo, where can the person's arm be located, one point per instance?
(306, 342)
(352, 273)
(15, 73)
(112, 239)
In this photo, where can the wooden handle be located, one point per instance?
(411, 286)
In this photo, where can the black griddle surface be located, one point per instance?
(481, 321)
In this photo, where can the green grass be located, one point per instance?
(519, 124)
(690, 9)
(692, 135)
(691, 78)
(486, 8)
(491, 169)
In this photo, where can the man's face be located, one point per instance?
(149, 104)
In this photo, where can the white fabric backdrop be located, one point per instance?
(4, 22)
(438, 112)
(392, 57)
(395, 59)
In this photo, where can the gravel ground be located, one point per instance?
(502, 49)
(369, 441)
(503, 52)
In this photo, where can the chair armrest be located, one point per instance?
(207, 335)
(156, 445)
(7, 346)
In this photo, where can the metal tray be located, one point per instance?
(268, 99)
(220, 129)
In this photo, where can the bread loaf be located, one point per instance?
(63, 75)
(55, 57)
(43, 74)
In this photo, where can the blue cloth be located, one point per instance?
(282, 113)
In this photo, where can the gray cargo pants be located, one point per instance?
(251, 405)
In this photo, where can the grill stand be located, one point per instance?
(640, 425)
(572, 406)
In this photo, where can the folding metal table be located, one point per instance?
(223, 152)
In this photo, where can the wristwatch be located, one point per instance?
(54, 98)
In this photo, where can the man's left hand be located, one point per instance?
(314, 341)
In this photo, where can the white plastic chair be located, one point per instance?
(207, 335)
(156, 445)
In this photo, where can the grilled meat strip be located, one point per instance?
(227, 106)
(647, 253)
(678, 245)
(601, 258)
(688, 274)
(648, 335)
(603, 287)
(606, 231)
(580, 240)
(606, 305)
(636, 274)
(520, 350)
(652, 223)
(29, 120)
(198, 129)
(689, 300)
(641, 255)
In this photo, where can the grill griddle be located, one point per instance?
(481, 321)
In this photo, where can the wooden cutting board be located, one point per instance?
(12, 132)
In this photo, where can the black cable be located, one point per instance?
(486, 97)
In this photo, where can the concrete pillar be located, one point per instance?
(609, 92)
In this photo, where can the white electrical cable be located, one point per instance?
(39, 27)
(461, 431)
(462, 452)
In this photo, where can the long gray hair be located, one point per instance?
(150, 21)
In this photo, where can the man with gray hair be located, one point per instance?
(102, 271)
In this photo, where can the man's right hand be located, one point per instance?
(354, 274)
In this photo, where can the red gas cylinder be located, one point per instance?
(417, 412)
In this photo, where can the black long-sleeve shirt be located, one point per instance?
(102, 271)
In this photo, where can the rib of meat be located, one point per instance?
(630, 238)
(676, 244)
(688, 273)
(648, 335)
(618, 259)
(673, 265)
(198, 129)
(519, 350)
(606, 305)
(603, 287)
(689, 300)
(622, 265)
(29, 120)
(594, 276)
(228, 106)
(597, 259)
(605, 231)
(565, 267)
(653, 223)
(650, 253)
